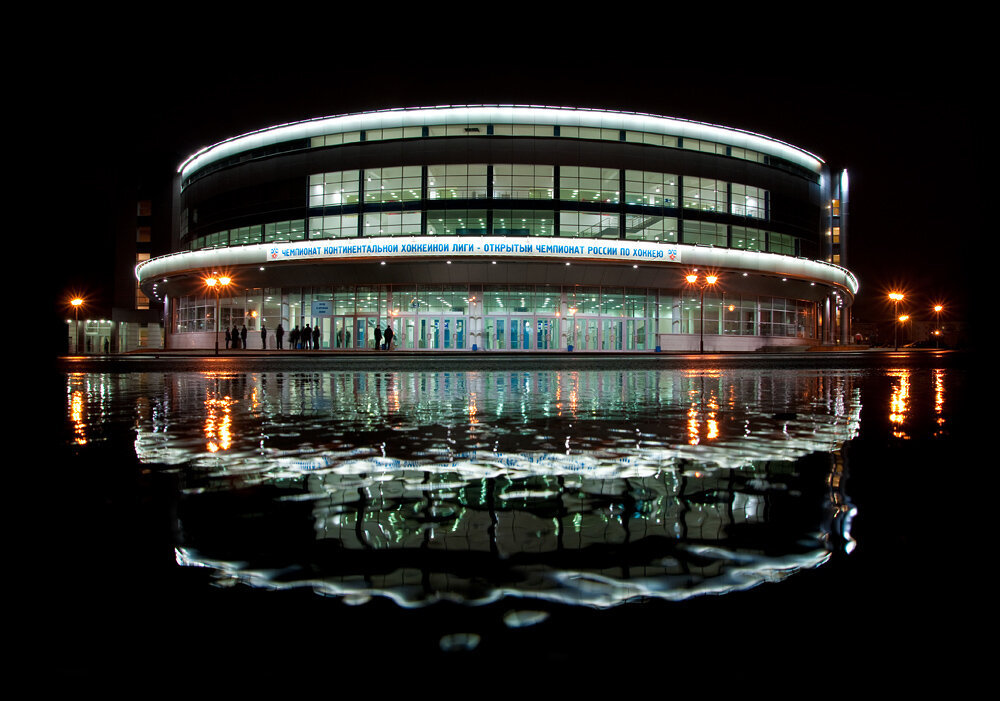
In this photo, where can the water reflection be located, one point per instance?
(586, 487)
(898, 402)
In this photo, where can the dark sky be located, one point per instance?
(902, 117)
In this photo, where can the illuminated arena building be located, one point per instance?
(514, 228)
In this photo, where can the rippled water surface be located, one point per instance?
(534, 492)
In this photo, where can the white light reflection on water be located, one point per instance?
(582, 487)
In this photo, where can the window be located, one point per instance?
(705, 233)
(523, 130)
(457, 130)
(245, 235)
(588, 184)
(294, 230)
(781, 243)
(748, 239)
(650, 189)
(336, 226)
(347, 137)
(451, 222)
(395, 184)
(456, 181)
(391, 223)
(394, 133)
(333, 189)
(526, 182)
(641, 137)
(588, 224)
(650, 227)
(749, 201)
(704, 194)
(516, 222)
(141, 300)
(590, 133)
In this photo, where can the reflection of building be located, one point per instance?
(469, 485)
(575, 540)
(509, 228)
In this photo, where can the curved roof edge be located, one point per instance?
(773, 264)
(499, 114)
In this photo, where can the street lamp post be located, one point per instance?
(216, 284)
(77, 303)
(709, 281)
(902, 320)
(896, 298)
(937, 325)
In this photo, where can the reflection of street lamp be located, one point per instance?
(896, 298)
(77, 302)
(709, 281)
(938, 308)
(216, 284)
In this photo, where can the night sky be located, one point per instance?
(903, 118)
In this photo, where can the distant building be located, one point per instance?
(508, 228)
(141, 230)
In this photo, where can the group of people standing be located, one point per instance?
(304, 339)
(301, 339)
(383, 340)
(237, 338)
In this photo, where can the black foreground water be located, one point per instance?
(782, 514)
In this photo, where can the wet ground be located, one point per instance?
(657, 516)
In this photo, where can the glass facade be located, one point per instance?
(495, 317)
(591, 203)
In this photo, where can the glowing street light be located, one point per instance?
(938, 308)
(216, 284)
(896, 298)
(708, 281)
(902, 320)
(77, 302)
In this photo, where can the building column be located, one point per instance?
(827, 322)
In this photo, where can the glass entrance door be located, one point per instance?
(520, 334)
(440, 333)
(585, 334)
(343, 332)
(428, 333)
(352, 332)
(546, 333)
(496, 337)
(364, 332)
(612, 334)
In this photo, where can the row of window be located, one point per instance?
(539, 131)
(524, 130)
(511, 222)
(664, 311)
(535, 182)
